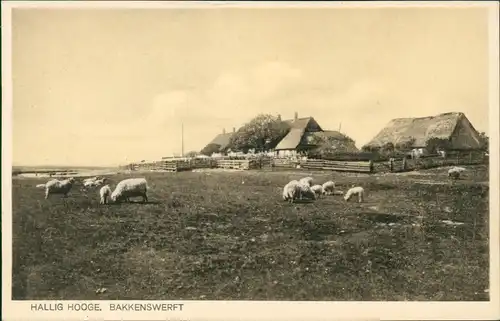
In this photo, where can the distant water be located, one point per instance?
(44, 173)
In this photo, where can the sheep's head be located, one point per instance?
(113, 197)
(71, 180)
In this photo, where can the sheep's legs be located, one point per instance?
(144, 198)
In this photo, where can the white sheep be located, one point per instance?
(317, 190)
(291, 191)
(329, 188)
(358, 190)
(454, 172)
(90, 179)
(104, 192)
(59, 187)
(306, 180)
(131, 187)
(93, 182)
(306, 192)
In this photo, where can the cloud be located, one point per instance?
(233, 96)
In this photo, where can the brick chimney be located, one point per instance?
(234, 129)
(223, 130)
(279, 117)
(296, 116)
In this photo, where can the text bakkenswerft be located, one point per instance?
(126, 307)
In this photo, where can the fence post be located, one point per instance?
(404, 163)
(371, 166)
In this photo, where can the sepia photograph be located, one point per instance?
(276, 153)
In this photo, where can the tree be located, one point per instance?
(485, 141)
(261, 133)
(434, 144)
(210, 149)
(388, 148)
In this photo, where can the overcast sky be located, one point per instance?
(102, 87)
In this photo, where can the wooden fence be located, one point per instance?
(408, 164)
(345, 166)
(394, 165)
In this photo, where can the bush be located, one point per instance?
(434, 144)
(210, 149)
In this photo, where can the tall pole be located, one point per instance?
(182, 139)
(340, 126)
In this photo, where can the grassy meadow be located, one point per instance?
(230, 236)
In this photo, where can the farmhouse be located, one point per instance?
(222, 140)
(304, 134)
(415, 132)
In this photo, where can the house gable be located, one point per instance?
(313, 126)
(465, 136)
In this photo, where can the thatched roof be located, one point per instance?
(299, 123)
(331, 140)
(291, 140)
(401, 130)
(222, 140)
(298, 127)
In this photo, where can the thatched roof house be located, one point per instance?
(299, 129)
(454, 127)
(222, 139)
(304, 134)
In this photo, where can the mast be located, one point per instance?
(182, 139)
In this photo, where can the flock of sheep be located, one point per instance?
(304, 189)
(138, 187)
(131, 187)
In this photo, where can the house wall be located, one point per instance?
(286, 153)
(465, 136)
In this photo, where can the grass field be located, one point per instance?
(229, 236)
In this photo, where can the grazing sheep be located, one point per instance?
(291, 191)
(59, 187)
(306, 180)
(104, 192)
(131, 187)
(99, 182)
(93, 182)
(90, 179)
(328, 188)
(317, 190)
(306, 192)
(40, 186)
(358, 190)
(454, 172)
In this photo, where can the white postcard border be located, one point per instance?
(252, 310)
